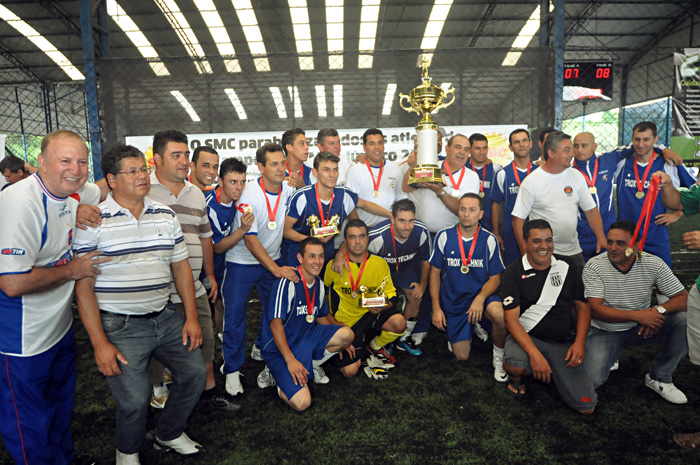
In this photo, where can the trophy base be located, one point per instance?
(371, 302)
(425, 173)
(324, 231)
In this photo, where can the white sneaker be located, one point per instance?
(183, 445)
(320, 376)
(449, 346)
(615, 366)
(480, 332)
(265, 379)
(127, 459)
(233, 383)
(255, 353)
(499, 373)
(666, 390)
(418, 337)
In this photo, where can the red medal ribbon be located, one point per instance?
(589, 181)
(515, 171)
(468, 260)
(300, 172)
(640, 184)
(645, 215)
(309, 302)
(483, 174)
(320, 206)
(379, 177)
(446, 167)
(272, 214)
(355, 284)
(393, 239)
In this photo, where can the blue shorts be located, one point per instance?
(458, 326)
(306, 352)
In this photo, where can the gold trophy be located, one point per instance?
(379, 299)
(329, 229)
(425, 99)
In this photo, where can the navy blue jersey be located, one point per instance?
(304, 172)
(457, 290)
(221, 217)
(288, 303)
(487, 177)
(409, 255)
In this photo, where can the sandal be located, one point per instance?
(517, 387)
(688, 440)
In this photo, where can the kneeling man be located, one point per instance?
(298, 333)
(539, 292)
(619, 284)
(126, 311)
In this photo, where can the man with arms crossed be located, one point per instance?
(539, 292)
(37, 273)
(619, 284)
(465, 274)
(124, 308)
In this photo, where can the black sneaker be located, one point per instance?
(223, 403)
(84, 459)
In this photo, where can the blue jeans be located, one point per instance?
(138, 339)
(603, 349)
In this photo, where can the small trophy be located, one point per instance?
(329, 229)
(379, 299)
(425, 99)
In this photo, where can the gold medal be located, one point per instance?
(629, 251)
(375, 194)
(593, 189)
(309, 318)
(456, 193)
(353, 294)
(639, 195)
(271, 225)
(464, 269)
(481, 194)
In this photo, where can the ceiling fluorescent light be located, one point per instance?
(524, 38)
(185, 33)
(321, 101)
(369, 16)
(236, 103)
(337, 100)
(296, 101)
(389, 99)
(433, 29)
(334, 33)
(302, 32)
(185, 104)
(279, 103)
(218, 32)
(251, 30)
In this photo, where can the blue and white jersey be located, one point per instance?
(305, 173)
(629, 206)
(409, 254)
(487, 173)
(457, 290)
(288, 303)
(505, 190)
(221, 216)
(603, 197)
(37, 230)
(303, 204)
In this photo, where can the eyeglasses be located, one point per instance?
(134, 172)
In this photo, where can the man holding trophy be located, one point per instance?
(364, 299)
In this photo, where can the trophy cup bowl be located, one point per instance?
(426, 99)
(329, 229)
(378, 300)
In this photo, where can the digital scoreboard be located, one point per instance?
(588, 80)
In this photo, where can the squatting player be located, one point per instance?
(298, 331)
(465, 274)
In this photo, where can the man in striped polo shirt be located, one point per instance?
(618, 285)
(126, 312)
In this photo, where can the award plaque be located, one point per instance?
(329, 229)
(425, 99)
(378, 300)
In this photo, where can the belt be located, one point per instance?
(131, 315)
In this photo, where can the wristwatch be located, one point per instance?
(440, 196)
(660, 309)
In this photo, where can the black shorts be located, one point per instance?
(368, 326)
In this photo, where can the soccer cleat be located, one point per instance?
(666, 390)
(233, 383)
(375, 362)
(407, 345)
(223, 403)
(265, 379)
(499, 373)
(320, 376)
(127, 459)
(480, 332)
(382, 354)
(255, 353)
(183, 445)
(418, 337)
(159, 401)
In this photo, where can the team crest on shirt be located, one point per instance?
(556, 280)
(605, 177)
(508, 300)
(64, 211)
(568, 190)
(13, 251)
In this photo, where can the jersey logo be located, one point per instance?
(525, 276)
(555, 279)
(508, 300)
(586, 399)
(605, 177)
(13, 252)
(568, 190)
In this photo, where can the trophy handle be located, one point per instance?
(450, 91)
(409, 109)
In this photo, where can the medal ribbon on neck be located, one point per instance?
(320, 206)
(515, 171)
(589, 181)
(289, 172)
(640, 184)
(483, 174)
(379, 177)
(272, 214)
(455, 185)
(645, 215)
(309, 302)
(466, 261)
(355, 284)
